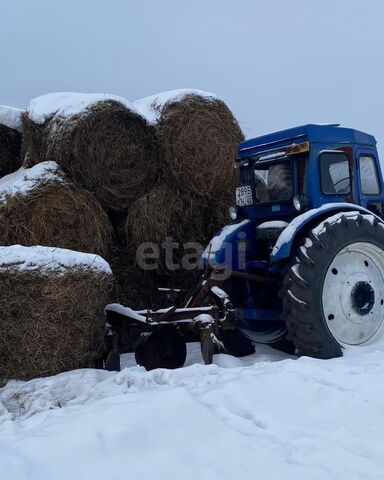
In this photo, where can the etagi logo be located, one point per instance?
(189, 256)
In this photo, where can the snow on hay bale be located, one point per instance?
(52, 310)
(38, 206)
(99, 140)
(198, 138)
(10, 139)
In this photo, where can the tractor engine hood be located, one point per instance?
(221, 250)
(229, 246)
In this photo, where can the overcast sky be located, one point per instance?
(277, 63)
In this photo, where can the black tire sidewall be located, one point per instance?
(325, 247)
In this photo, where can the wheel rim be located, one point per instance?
(353, 294)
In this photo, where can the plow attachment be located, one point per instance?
(162, 341)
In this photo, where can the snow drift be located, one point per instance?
(263, 417)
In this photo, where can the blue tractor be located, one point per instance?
(301, 266)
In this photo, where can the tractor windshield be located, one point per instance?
(273, 182)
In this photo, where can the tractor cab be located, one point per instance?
(286, 173)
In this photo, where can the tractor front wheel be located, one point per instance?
(334, 295)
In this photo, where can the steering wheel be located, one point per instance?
(345, 190)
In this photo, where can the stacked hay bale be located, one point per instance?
(159, 168)
(10, 139)
(39, 206)
(198, 138)
(52, 310)
(104, 146)
(100, 142)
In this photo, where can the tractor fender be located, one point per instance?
(284, 244)
(221, 249)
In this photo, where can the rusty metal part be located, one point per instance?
(211, 279)
(297, 148)
(204, 301)
(207, 311)
(178, 314)
(206, 345)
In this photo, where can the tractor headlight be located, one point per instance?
(233, 212)
(300, 202)
(296, 203)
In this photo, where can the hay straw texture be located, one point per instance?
(33, 145)
(51, 321)
(45, 209)
(199, 137)
(10, 144)
(166, 212)
(135, 287)
(108, 149)
(150, 217)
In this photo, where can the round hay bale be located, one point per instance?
(39, 207)
(199, 138)
(52, 310)
(10, 143)
(108, 148)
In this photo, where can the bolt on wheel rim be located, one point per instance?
(353, 294)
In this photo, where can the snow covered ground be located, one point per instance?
(266, 416)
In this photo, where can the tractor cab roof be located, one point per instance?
(327, 134)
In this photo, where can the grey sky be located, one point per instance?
(277, 63)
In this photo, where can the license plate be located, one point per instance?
(243, 196)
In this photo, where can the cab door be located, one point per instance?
(370, 182)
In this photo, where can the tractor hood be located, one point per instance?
(222, 249)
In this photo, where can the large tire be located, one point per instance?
(334, 291)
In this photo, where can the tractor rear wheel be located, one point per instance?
(334, 294)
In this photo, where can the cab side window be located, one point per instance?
(368, 175)
(335, 174)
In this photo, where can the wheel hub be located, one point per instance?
(362, 298)
(353, 293)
